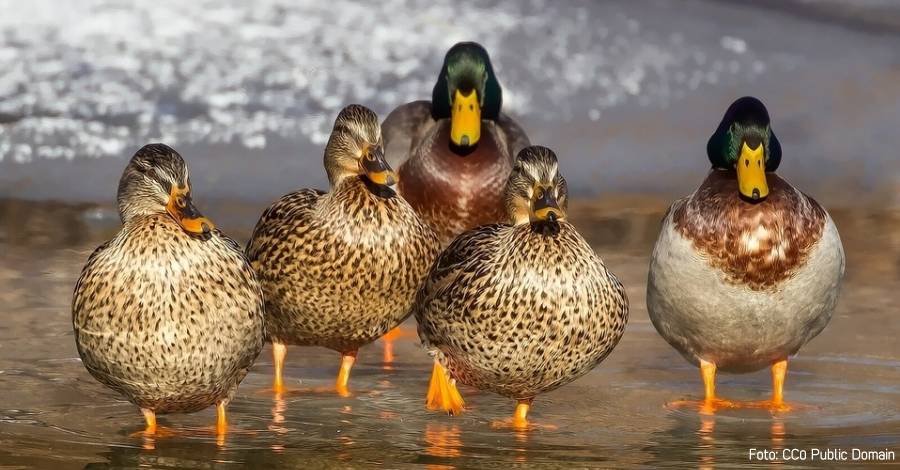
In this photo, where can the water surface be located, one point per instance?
(53, 414)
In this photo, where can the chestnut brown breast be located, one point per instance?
(453, 192)
(757, 245)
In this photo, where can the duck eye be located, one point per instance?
(746, 162)
(539, 193)
(471, 108)
(180, 201)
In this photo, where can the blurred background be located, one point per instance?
(627, 93)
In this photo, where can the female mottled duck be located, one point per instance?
(455, 153)
(168, 313)
(340, 269)
(747, 269)
(522, 308)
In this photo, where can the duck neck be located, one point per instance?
(441, 161)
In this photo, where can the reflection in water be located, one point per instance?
(442, 441)
(777, 434)
(278, 408)
(149, 442)
(707, 442)
(706, 439)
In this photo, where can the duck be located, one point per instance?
(168, 313)
(746, 269)
(522, 307)
(341, 268)
(457, 146)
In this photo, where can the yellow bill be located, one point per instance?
(182, 209)
(751, 173)
(544, 205)
(376, 168)
(465, 119)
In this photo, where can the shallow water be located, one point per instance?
(52, 413)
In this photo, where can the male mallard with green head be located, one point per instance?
(340, 269)
(455, 153)
(521, 308)
(168, 313)
(746, 269)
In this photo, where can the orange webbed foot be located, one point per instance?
(442, 392)
(152, 429)
(707, 405)
(519, 420)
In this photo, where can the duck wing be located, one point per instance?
(403, 129)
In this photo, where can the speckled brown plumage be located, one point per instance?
(171, 321)
(521, 309)
(751, 243)
(340, 269)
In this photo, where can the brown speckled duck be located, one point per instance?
(168, 313)
(340, 269)
(455, 153)
(521, 308)
(746, 269)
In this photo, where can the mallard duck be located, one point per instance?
(746, 269)
(168, 313)
(455, 153)
(340, 269)
(519, 308)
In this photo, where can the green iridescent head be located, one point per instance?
(467, 91)
(744, 142)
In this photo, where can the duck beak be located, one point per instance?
(545, 206)
(182, 209)
(751, 173)
(465, 119)
(376, 168)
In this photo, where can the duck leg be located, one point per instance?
(152, 430)
(442, 392)
(519, 420)
(221, 421)
(150, 418)
(779, 371)
(520, 417)
(777, 403)
(389, 339)
(708, 372)
(279, 351)
(347, 361)
(710, 402)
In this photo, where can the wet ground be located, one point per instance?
(53, 414)
(625, 92)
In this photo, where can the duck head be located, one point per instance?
(535, 190)
(466, 92)
(156, 181)
(744, 142)
(355, 148)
